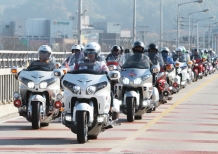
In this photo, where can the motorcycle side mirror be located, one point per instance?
(58, 73)
(57, 65)
(114, 75)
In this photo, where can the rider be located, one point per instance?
(153, 54)
(166, 56)
(44, 53)
(115, 53)
(74, 58)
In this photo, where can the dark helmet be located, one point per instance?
(121, 49)
(152, 46)
(138, 44)
(127, 51)
(115, 48)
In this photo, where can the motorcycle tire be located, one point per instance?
(36, 115)
(82, 128)
(130, 107)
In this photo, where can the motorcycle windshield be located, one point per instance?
(136, 60)
(40, 66)
(180, 58)
(89, 68)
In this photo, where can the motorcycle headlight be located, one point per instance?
(155, 70)
(72, 87)
(76, 89)
(43, 85)
(125, 80)
(94, 88)
(31, 84)
(111, 68)
(27, 82)
(91, 90)
(137, 81)
(141, 79)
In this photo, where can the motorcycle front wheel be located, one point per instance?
(130, 107)
(82, 128)
(36, 115)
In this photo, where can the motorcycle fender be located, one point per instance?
(82, 106)
(36, 98)
(132, 94)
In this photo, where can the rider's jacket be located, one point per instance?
(168, 60)
(156, 57)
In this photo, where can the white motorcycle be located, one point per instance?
(183, 70)
(39, 100)
(173, 78)
(87, 100)
(135, 87)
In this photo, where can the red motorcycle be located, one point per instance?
(198, 69)
(163, 87)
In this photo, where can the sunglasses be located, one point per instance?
(90, 52)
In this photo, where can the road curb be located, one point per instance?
(6, 109)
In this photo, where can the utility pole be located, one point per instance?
(134, 21)
(79, 21)
(161, 24)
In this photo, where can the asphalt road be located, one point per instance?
(188, 125)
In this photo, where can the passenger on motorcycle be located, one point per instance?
(115, 53)
(70, 62)
(153, 54)
(166, 56)
(179, 56)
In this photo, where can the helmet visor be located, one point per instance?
(44, 55)
(90, 51)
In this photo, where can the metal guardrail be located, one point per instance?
(8, 59)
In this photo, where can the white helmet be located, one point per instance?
(44, 52)
(165, 49)
(93, 46)
(179, 49)
(75, 47)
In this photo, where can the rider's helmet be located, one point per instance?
(138, 47)
(195, 52)
(44, 52)
(115, 50)
(165, 52)
(75, 48)
(121, 50)
(183, 49)
(206, 51)
(179, 51)
(204, 58)
(92, 48)
(152, 48)
(173, 52)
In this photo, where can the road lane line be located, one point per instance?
(157, 118)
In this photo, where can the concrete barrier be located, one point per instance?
(7, 109)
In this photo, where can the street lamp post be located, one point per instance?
(189, 43)
(197, 29)
(134, 21)
(79, 21)
(178, 16)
